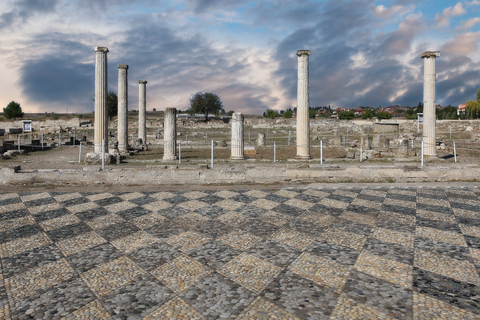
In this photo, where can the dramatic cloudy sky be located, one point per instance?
(364, 52)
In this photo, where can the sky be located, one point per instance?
(364, 52)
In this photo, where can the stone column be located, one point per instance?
(261, 142)
(122, 128)
(142, 107)
(303, 106)
(429, 102)
(170, 134)
(101, 110)
(237, 137)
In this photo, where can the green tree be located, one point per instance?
(419, 108)
(384, 115)
(13, 110)
(472, 109)
(288, 113)
(205, 103)
(272, 114)
(230, 113)
(368, 114)
(112, 104)
(346, 115)
(478, 95)
(312, 113)
(411, 114)
(449, 112)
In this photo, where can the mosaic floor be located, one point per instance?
(392, 253)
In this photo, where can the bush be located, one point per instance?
(13, 110)
(346, 115)
(384, 115)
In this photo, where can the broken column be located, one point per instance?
(429, 101)
(237, 137)
(122, 126)
(303, 106)
(142, 107)
(261, 141)
(170, 134)
(101, 110)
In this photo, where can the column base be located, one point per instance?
(96, 158)
(237, 158)
(170, 158)
(298, 157)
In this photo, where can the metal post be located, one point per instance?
(179, 152)
(289, 135)
(59, 139)
(422, 153)
(186, 140)
(18, 142)
(132, 141)
(361, 158)
(211, 165)
(80, 153)
(450, 132)
(103, 154)
(267, 131)
(248, 136)
(454, 151)
(74, 137)
(274, 152)
(42, 141)
(321, 151)
(412, 143)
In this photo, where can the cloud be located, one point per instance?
(24, 9)
(397, 10)
(470, 23)
(462, 44)
(443, 20)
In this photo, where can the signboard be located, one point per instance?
(27, 125)
(420, 117)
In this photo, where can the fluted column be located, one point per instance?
(429, 102)
(142, 107)
(170, 134)
(303, 106)
(101, 110)
(237, 137)
(122, 130)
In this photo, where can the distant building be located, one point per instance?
(462, 108)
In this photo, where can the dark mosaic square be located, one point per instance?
(68, 231)
(278, 254)
(259, 228)
(473, 241)
(289, 210)
(399, 209)
(340, 198)
(143, 200)
(51, 214)
(211, 199)
(429, 207)
(10, 201)
(370, 197)
(402, 197)
(460, 294)
(22, 232)
(453, 195)
(350, 226)
(216, 295)
(118, 230)
(14, 214)
(214, 254)
(154, 255)
(213, 228)
(243, 198)
(211, 212)
(344, 255)
(276, 198)
(92, 257)
(173, 212)
(464, 206)
(133, 213)
(72, 202)
(306, 227)
(39, 202)
(167, 228)
(251, 211)
(422, 222)
(442, 248)
(320, 208)
(308, 198)
(390, 251)
(395, 225)
(380, 295)
(468, 221)
(60, 300)
(362, 209)
(108, 201)
(437, 195)
(176, 199)
(30, 259)
(92, 213)
(137, 298)
(300, 296)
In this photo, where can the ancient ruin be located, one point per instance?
(170, 134)
(237, 147)
(122, 133)
(303, 105)
(429, 102)
(142, 107)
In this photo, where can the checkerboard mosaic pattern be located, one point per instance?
(372, 253)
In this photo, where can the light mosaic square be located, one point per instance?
(334, 203)
(6, 196)
(175, 309)
(346, 307)
(359, 218)
(305, 205)
(232, 217)
(192, 217)
(324, 272)
(187, 241)
(82, 207)
(46, 276)
(229, 204)
(181, 273)
(470, 230)
(286, 193)
(466, 213)
(79, 243)
(45, 208)
(239, 240)
(322, 219)
(262, 309)
(148, 220)
(437, 216)
(434, 202)
(11, 207)
(35, 196)
(226, 194)
(193, 205)
(316, 193)
(59, 222)
(250, 271)
(99, 196)
(6, 225)
(92, 310)
(293, 239)
(403, 191)
(20, 245)
(390, 270)
(393, 236)
(67, 196)
(441, 235)
(131, 196)
(157, 205)
(345, 193)
(256, 194)
(344, 238)
(104, 221)
(120, 206)
(107, 277)
(162, 195)
(134, 242)
(446, 266)
(376, 193)
(427, 308)
(397, 217)
(400, 203)
(367, 203)
(264, 204)
(195, 195)
(276, 218)
(475, 253)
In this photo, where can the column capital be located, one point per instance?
(123, 66)
(142, 81)
(101, 49)
(302, 52)
(430, 54)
